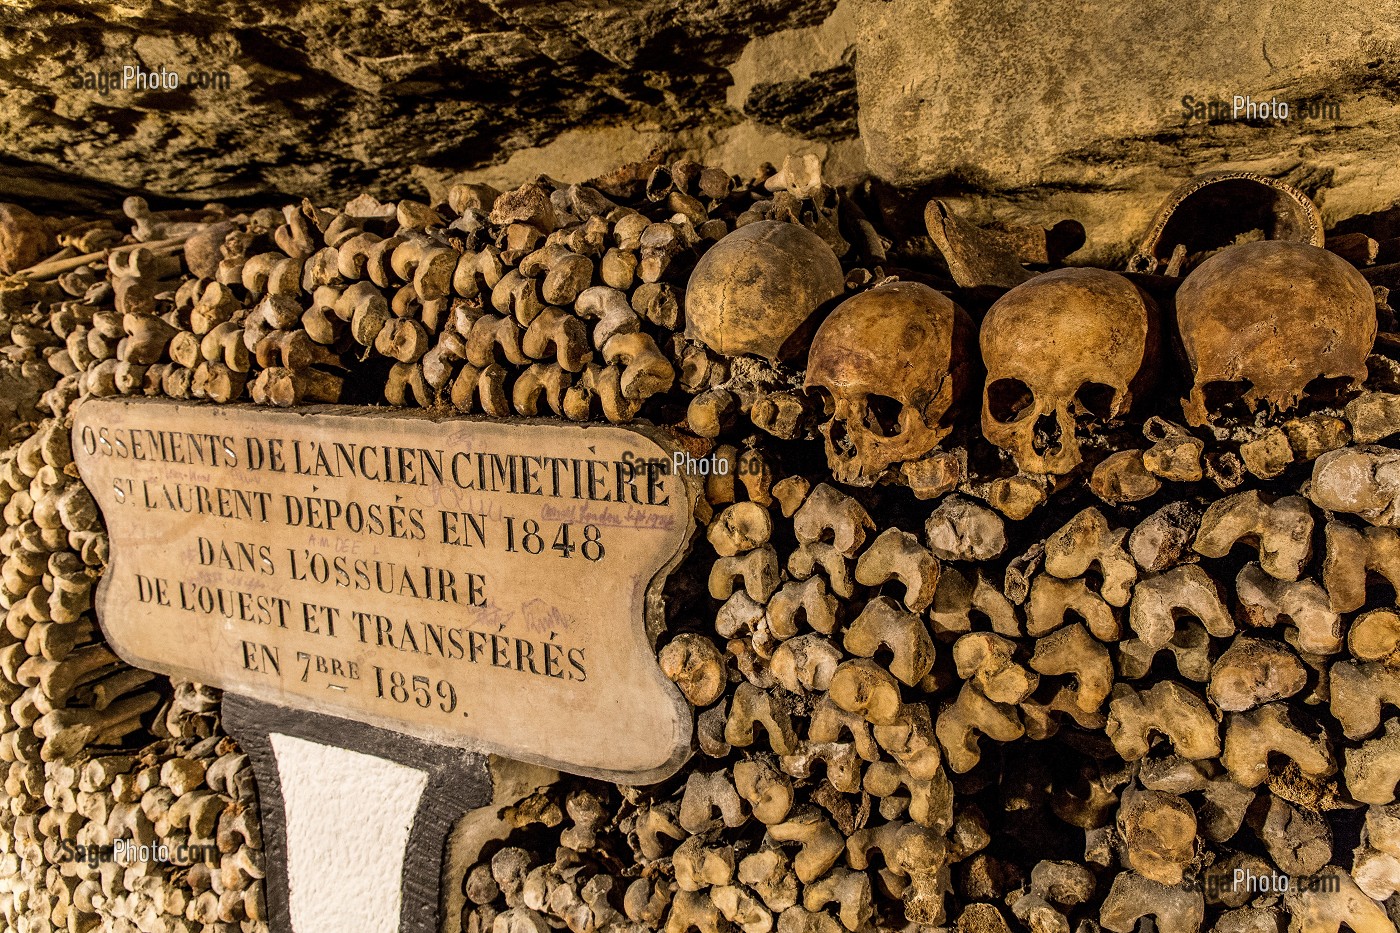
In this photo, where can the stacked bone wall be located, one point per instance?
(283, 307)
(998, 702)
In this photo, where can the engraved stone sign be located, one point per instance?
(481, 584)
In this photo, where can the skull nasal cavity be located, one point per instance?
(1046, 435)
(882, 415)
(840, 439)
(1007, 399)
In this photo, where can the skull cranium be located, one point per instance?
(1260, 321)
(753, 291)
(894, 361)
(1069, 346)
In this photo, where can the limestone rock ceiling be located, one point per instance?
(322, 97)
(1025, 116)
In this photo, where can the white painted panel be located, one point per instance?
(348, 820)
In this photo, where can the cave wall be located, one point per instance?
(324, 97)
(1028, 115)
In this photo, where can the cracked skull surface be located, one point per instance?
(1065, 351)
(1260, 322)
(894, 361)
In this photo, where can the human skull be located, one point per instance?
(1065, 350)
(894, 360)
(753, 290)
(1260, 321)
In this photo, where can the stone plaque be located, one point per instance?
(483, 584)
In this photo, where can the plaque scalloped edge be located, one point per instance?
(647, 626)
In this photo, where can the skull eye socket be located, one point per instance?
(1007, 399)
(1225, 397)
(1329, 391)
(1095, 400)
(824, 398)
(882, 415)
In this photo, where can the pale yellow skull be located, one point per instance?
(1063, 352)
(1260, 321)
(893, 360)
(753, 291)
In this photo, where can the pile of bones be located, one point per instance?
(1028, 597)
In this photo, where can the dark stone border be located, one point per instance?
(458, 781)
